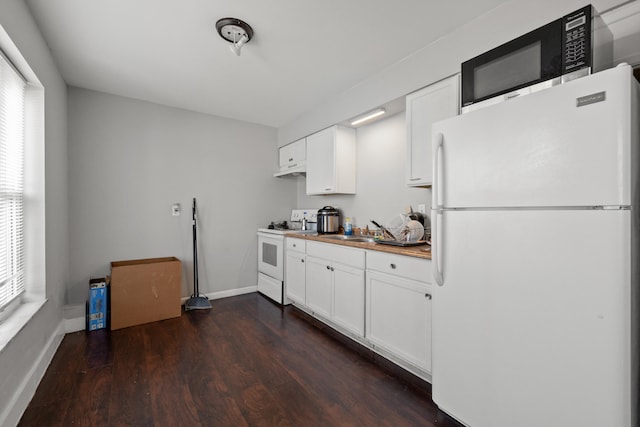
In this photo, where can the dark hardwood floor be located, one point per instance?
(247, 362)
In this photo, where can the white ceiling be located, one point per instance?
(303, 52)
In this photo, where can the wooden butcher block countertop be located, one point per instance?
(423, 251)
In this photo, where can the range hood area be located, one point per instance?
(295, 171)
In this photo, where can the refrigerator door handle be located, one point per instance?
(436, 216)
(437, 183)
(436, 235)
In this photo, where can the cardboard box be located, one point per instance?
(145, 290)
(97, 304)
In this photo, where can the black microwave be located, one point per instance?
(573, 46)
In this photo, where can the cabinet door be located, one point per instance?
(399, 317)
(321, 162)
(331, 161)
(294, 277)
(292, 154)
(431, 104)
(348, 298)
(319, 286)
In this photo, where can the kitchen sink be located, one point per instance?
(344, 238)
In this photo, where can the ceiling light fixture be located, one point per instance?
(369, 116)
(235, 31)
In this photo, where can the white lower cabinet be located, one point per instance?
(294, 277)
(295, 270)
(319, 283)
(348, 298)
(335, 284)
(399, 307)
(382, 300)
(399, 317)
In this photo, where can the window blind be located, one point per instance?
(12, 101)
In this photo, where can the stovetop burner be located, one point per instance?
(278, 225)
(295, 224)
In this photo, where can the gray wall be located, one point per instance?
(19, 358)
(130, 160)
(381, 192)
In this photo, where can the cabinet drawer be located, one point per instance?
(337, 253)
(298, 245)
(404, 266)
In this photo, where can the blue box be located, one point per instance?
(97, 304)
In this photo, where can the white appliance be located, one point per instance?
(271, 252)
(271, 265)
(535, 250)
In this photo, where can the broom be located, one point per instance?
(197, 301)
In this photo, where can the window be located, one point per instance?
(12, 253)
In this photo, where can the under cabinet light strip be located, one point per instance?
(369, 116)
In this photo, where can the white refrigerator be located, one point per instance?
(535, 249)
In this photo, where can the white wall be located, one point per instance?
(381, 192)
(130, 160)
(443, 57)
(23, 359)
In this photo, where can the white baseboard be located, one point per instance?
(25, 392)
(232, 292)
(74, 325)
(78, 323)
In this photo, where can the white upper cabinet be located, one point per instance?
(433, 103)
(331, 161)
(292, 158)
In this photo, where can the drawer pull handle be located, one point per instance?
(427, 296)
(328, 267)
(301, 260)
(393, 266)
(294, 245)
(331, 268)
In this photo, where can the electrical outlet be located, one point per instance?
(422, 208)
(309, 214)
(296, 215)
(175, 209)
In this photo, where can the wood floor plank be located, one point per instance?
(246, 362)
(260, 408)
(89, 404)
(171, 400)
(59, 384)
(98, 350)
(130, 400)
(51, 415)
(214, 404)
(304, 407)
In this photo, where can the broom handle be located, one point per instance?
(196, 288)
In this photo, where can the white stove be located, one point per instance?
(271, 252)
